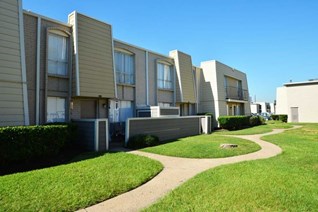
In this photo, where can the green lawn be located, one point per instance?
(204, 146)
(287, 182)
(76, 185)
(268, 127)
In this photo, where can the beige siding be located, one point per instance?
(95, 56)
(30, 38)
(49, 85)
(11, 91)
(153, 59)
(212, 87)
(165, 96)
(140, 72)
(126, 92)
(185, 81)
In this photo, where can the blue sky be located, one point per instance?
(272, 41)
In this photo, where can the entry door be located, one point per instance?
(294, 114)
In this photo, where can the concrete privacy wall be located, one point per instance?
(93, 134)
(168, 128)
(13, 102)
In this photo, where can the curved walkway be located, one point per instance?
(176, 171)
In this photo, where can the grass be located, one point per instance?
(76, 185)
(204, 146)
(268, 127)
(287, 182)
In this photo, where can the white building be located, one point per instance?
(299, 101)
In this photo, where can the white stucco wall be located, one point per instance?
(301, 96)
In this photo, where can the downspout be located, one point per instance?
(38, 59)
(23, 67)
(147, 78)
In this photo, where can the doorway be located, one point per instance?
(294, 114)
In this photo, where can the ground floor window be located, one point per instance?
(55, 109)
(120, 111)
(235, 109)
(164, 104)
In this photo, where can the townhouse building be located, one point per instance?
(57, 72)
(222, 90)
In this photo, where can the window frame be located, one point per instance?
(65, 108)
(66, 35)
(164, 81)
(125, 74)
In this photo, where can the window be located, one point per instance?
(164, 104)
(164, 76)
(124, 68)
(57, 54)
(120, 111)
(55, 109)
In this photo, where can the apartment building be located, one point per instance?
(298, 100)
(222, 90)
(57, 72)
(262, 107)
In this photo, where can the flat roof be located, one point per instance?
(310, 82)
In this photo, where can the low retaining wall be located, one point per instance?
(168, 128)
(93, 134)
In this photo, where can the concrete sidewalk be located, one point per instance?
(176, 171)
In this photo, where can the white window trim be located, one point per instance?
(62, 33)
(171, 75)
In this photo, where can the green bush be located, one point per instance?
(234, 122)
(275, 117)
(256, 120)
(283, 117)
(28, 143)
(141, 141)
(280, 117)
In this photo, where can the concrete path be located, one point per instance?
(176, 171)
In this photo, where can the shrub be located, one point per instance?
(141, 141)
(256, 120)
(28, 143)
(234, 122)
(280, 117)
(283, 117)
(275, 117)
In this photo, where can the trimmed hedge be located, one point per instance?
(141, 141)
(280, 117)
(283, 118)
(256, 120)
(234, 122)
(275, 117)
(240, 122)
(28, 143)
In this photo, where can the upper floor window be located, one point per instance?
(124, 64)
(164, 76)
(57, 54)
